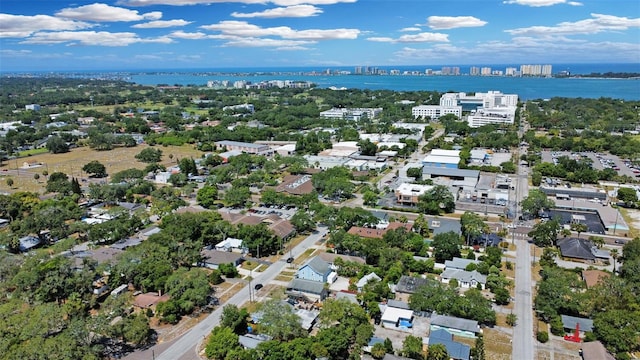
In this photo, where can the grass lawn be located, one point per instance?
(32, 152)
(497, 345)
(71, 163)
(250, 265)
(304, 256)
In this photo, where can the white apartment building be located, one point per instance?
(495, 115)
(448, 105)
(351, 113)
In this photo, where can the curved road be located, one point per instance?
(185, 347)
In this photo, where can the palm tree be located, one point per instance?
(614, 255)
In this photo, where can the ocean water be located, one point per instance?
(527, 88)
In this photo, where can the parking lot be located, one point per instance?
(599, 161)
(592, 220)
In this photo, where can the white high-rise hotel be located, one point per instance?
(535, 70)
(492, 107)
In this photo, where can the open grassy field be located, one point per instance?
(71, 163)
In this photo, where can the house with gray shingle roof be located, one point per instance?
(365, 280)
(465, 279)
(459, 263)
(455, 325)
(581, 249)
(315, 269)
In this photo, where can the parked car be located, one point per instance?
(258, 286)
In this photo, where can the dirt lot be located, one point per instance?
(71, 163)
(632, 217)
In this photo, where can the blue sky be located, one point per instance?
(49, 35)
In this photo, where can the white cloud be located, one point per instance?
(524, 49)
(598, 23)
(409, 29)
(256, 42)
(106, 13)
(280, 12)
(31, 55)
(206, 2)
(18, 26)
(292, 48)
(189, 36)
(540, 3)
(244, 29)
(453, 22)
(15, 53)
(414, 38)
(93, 38)
(310, 2)
(162, 24)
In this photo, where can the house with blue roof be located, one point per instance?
(456, 350)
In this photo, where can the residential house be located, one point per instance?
(396, 315)
(212, 259)
(296, 185)
(315, 269)
(570, 323)
(409, 284)
(365, 280)
(459, 263)
(378, 233)
(231, 244)
(307, 289)
(582, 250)
(251, 341)
(350, 297)
(455, 326)
(465, 279)
(455, 350)
(594, 277)
(149, 300)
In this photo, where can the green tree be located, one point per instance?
(579, 228)
(207, 196)
(149, 155)
(367, 147)
(188, 166)
(57, 145)
(627, 195)
(446, 246)
(279, 321)
(478, 351)
(235, 319)
(412, 348)
(436, 201)
(237, 196)
(512, 319)
(472, 226)
(536, 202)
(302, 221)
(95, 169)
(415, 173)
(378, 351)
(178, 179)
(221, 342)
(9, 182)
(545, 233)
(437, 352)
(59, 182)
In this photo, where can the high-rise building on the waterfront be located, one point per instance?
(358, 70)
(475, 71)
(485, 71)
(446, 70)
(511, 71)
(455, 70)
(546, 70)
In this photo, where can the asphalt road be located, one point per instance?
(185, 347)
(523, 337)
